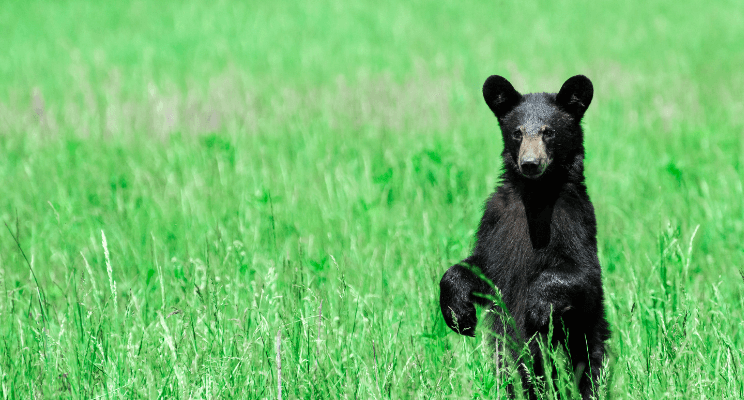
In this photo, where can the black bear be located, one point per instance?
(537, 239)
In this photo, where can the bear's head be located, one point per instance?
(542, 131)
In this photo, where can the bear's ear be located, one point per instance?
(575, 95)
(500, 95)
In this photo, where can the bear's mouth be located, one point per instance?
(534, 176)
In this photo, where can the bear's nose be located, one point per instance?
(530, 166)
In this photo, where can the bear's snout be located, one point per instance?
(533, 157)
(530, 166)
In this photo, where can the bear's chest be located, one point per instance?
(535, 238)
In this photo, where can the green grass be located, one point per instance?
(314, 167)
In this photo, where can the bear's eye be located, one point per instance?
(549, 134)
(517, 134)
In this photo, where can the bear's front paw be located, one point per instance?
(457, 308)
(538, 315)
(460, 317)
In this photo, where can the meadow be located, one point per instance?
(227, 200)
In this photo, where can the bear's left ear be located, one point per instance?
(575, 95)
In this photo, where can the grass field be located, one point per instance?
(185, 184)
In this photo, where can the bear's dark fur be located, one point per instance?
(537, 238)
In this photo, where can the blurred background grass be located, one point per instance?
(314, 167)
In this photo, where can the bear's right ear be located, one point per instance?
(500, 95)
